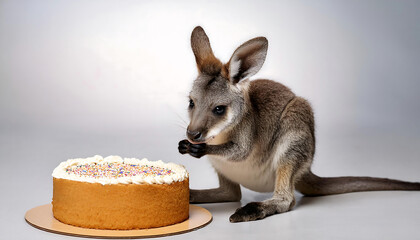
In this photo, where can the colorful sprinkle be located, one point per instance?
(116, 170)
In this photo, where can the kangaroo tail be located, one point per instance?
(313, 185)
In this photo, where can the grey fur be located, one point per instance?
(265, 140)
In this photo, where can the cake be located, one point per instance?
(117, 193)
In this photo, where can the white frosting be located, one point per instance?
(179, 173)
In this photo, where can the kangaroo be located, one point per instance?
(257, 134)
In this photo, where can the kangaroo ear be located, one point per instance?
(247, 59)
(200, 44)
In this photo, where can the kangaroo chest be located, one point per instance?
(260, 178)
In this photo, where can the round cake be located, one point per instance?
(117, 193)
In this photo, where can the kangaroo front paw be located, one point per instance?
(195, 150)
(198, 150)
(250, 212)
(183, 146)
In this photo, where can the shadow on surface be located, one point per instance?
(216, 208)
(302, 201)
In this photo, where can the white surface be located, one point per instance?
(374, 215)
(79, 78)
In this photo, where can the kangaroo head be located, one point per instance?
(218, 96)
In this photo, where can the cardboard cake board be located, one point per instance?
(41, 217)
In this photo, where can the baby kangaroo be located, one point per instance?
(257, 134)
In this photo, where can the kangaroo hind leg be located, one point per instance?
(282, 201)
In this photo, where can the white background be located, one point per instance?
(79, 78)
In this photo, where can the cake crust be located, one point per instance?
(120, 206)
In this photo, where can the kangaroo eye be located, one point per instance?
(191, 104)
(219, 110)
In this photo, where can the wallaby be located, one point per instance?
(257, 134)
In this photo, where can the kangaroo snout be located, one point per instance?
(194, 135)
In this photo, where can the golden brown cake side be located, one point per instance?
(120, 206)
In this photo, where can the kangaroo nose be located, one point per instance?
(193, 135)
